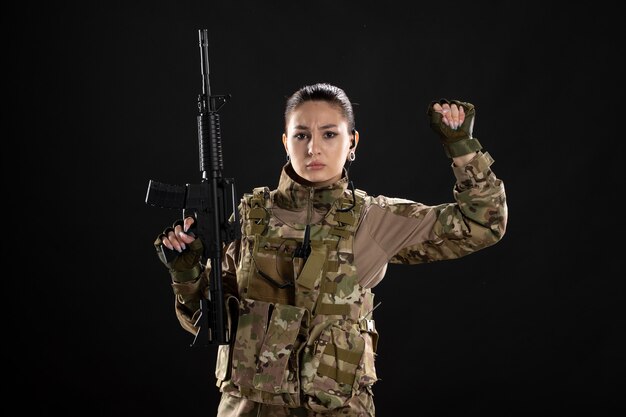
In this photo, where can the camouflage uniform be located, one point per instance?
(305, 338)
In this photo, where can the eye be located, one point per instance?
(330, 134)
(300, 136)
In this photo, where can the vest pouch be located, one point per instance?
(332, 366)
(265, 354)
(271, 271)
(368, 374)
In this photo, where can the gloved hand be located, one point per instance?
(454, 126)
(184, 265)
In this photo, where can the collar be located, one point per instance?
(295, 193)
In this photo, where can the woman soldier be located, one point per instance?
(312, 249)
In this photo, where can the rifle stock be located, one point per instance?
(210, 203)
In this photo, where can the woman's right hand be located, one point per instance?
(178, 248)
(177, 237)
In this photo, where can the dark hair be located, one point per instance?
(321, 92)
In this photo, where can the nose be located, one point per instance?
(314, 145)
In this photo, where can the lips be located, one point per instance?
(315, 165)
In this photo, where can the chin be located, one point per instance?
(321, 180)
(312, 176)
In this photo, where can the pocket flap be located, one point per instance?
(277, 347)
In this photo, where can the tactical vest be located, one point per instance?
(308, 341)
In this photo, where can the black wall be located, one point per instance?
(101, 97)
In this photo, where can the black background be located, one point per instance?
(101, 97)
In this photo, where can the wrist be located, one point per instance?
(186, 276)
(462, 147)
(461, 161)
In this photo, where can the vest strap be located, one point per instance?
(257, 229)
(345, 217)
(338, 375)
(257, 216)
(257, 213)
(343, 355)
(329, 287)
(333, 309)
(339, 232)
(314, 267)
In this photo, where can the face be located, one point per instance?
(318, 142)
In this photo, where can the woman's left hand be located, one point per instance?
(453, 116)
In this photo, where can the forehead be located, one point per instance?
(317, 112)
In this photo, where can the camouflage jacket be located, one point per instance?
(305, 333)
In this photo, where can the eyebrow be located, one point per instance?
(328, 126)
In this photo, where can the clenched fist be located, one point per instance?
(453, 121)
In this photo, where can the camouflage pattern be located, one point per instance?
(477, 219)
(306, 340)
(270, 329)
(311, 344)
(361, 405)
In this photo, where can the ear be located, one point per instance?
(355, 139)
(285, 143)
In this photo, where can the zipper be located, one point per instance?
(310, 206)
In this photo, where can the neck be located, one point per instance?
(295, 192)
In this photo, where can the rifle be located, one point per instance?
(206, 203)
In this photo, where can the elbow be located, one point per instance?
(498, 229)
(497, 220)
(489, 234)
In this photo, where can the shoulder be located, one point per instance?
(382, 201)
(252, 204)
(257, 196)
(394, 206)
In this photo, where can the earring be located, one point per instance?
(288, 158)
(351, 156)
